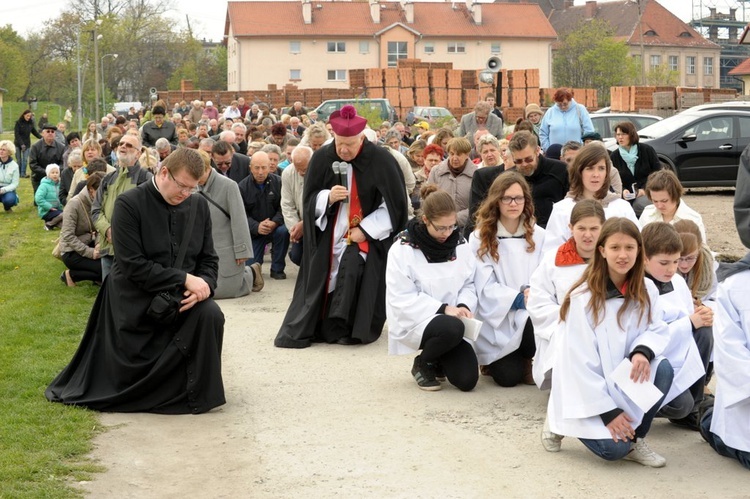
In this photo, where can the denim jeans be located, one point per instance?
(106, 261)
(295, 253)
(610, 450)
(718, 444)
(22, 157)
(279, 238)
(9, 200)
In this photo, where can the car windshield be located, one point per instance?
(667, 125)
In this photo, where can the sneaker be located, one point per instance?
(439, 372)
(424, 374)
(257, 277)
(552, 442)
(48, 227)
(642, 454)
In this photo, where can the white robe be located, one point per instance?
(557, 226)
(377, 225)
(549, 285)
(498, 284)
(682, 352)
(582, 389)
(731, 419)
(416, 289)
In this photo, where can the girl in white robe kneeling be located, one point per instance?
(508, 246)
(609, 315)
(429, 289)
(560, 269)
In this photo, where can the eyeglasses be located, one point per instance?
(183, 188)
(509, 200)
(128, 145)
(688, 259)
(442, 229)
(521, 161)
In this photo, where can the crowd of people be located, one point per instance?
(529, 254)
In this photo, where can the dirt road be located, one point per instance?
(334, 421)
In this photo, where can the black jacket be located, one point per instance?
(23, 131)
(239, 170)
(42, 155)
(262, 204)
(646, 163)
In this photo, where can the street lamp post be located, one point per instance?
(96, 69)
(104, 94)
(79, 110)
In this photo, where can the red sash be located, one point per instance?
(355, 214)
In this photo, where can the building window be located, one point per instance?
(495, 48)
(295, 74)
(655, 61)
(337, 75)
(674, 63)
(708, 66)
(456, 48)
(690, 65)
(429, 48)
(396, 51)
(337, 47)
(295, 47)
(364, 47)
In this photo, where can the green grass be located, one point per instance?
(12, 111)
(43, 446)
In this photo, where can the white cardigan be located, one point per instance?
(416, 289)
(684, 212)
(731, 420)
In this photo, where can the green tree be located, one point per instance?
(661, 76)
(13, 76)
(590, 57)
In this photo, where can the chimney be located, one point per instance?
(476, 13)
(590, 9)
(408, 7)
(375, 11)
(307, 11)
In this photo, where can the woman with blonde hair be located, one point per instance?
(91, 133)
(508, 246)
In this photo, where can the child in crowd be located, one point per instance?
(47, 198)
(590, 178)
(429, 289)
(725, 425)
(508, 245)
(662, 246)
(550, 282)
(610, 314)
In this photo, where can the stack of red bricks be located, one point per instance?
(648, 99)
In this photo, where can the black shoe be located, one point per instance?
(48, 227)
(280, 276)
(691, 421)
(439, 372)
(424, 375)
(348, 340)
(63, 278)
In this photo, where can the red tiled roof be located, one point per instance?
(341, 19)
(741, 69)
(623, 17)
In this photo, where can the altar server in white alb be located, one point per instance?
(429, 288)
(662, 246)
(590, 178)
(550, 282)
(609, 315)
(726, 425)
(508, 246)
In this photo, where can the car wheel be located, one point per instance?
(666, 165)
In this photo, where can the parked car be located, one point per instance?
(387, 112)
(604, 123)
(702, 147)
(736, 105)
(431, 114)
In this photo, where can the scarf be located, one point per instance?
(567, 255)
(629, 156)
(434, 251)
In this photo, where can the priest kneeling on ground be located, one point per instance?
(131, 357)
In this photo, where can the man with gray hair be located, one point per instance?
(228, 162)
(292, 185)
(239, 130)
(163, 148)
(481, 117)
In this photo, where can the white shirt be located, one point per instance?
(292, 185)
(684, 212)
(416, 289)
(731, 419)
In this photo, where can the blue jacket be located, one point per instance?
(559, 127)
(261, 204)
(46, 196)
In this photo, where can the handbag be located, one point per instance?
(165, 306)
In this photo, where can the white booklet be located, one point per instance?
(645, 394)
(471, 328)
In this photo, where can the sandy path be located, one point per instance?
(333, 421)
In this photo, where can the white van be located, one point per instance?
(124, 107)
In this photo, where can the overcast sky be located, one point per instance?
(207, 17)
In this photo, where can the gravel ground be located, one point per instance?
(333, 421)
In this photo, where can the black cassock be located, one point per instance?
(128, 363)
(379, 179)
